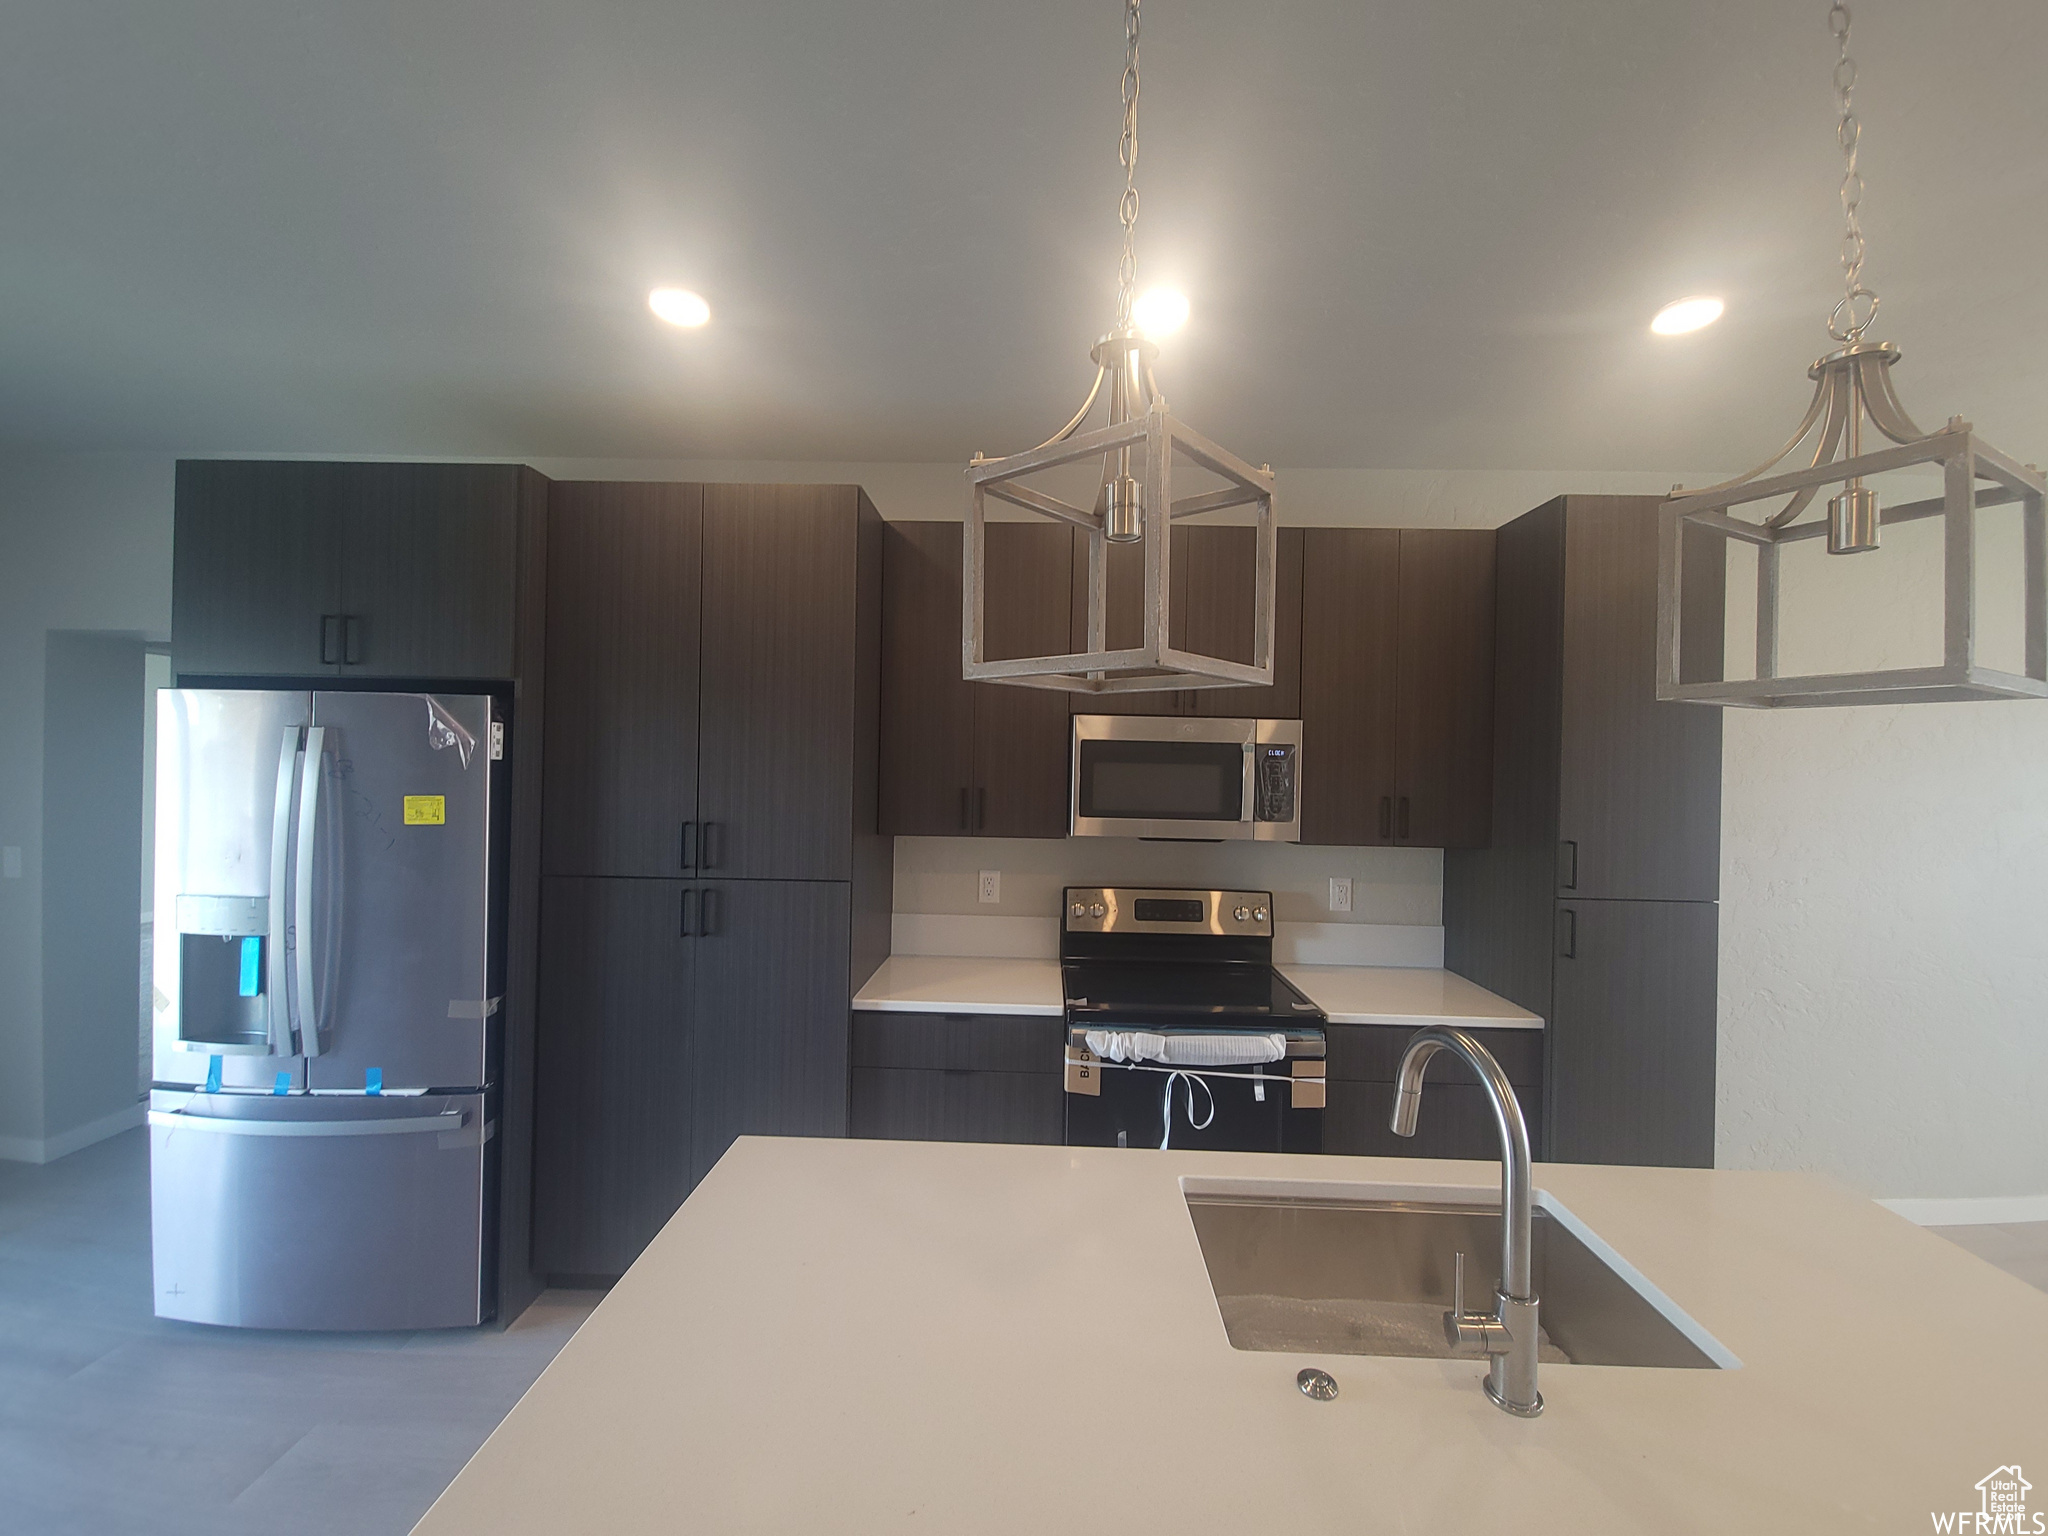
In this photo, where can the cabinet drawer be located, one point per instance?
(1456, 1121)
(1371, 1053)
(901, 1104)
(957, 1042)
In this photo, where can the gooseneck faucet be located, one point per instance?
(1507, 1335)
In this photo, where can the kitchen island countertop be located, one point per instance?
(865, 1336)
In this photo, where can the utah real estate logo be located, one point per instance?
(2003, 1507)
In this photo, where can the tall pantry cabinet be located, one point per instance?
(1596, 903)
(715, 885)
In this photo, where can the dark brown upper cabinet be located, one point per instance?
(1397, 687)
(358, 570)
(621, 743)
(1639, 782)
(1210, 609)
(713, 656)
(792, 589)
(962, 758)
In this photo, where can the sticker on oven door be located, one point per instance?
(426, 810)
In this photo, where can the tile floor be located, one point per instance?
(113, 1421)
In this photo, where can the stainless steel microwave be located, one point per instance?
(1169, 776)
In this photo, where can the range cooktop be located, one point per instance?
(1176, 958)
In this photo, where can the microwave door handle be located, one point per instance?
(1248, 795)
(278, 1004)
(307, 1006)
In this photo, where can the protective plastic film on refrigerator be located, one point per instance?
(329, 889)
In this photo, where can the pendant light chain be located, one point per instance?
(1127, 156)
(1845, 323)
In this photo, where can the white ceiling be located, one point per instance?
(1415, 235)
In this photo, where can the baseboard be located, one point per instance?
(1971, 1211)
(29, 1149)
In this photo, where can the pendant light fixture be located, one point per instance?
(1138, 447)
(1852, 386)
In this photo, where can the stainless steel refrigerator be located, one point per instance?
(328, 968)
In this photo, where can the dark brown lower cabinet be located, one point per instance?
(768, 1024)
(1456, 1118)
(676, 1015)
(1633, 1032)
(957, 1077)
(612, 1111)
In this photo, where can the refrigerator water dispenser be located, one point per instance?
(223, 990)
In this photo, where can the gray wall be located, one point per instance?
(92, 876)
(85, 544)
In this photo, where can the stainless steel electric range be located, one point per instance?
(1179, 1030)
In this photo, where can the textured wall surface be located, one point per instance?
(1884, 947)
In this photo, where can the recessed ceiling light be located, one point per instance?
(1160, 311)
(679, 306)
(1682, 315)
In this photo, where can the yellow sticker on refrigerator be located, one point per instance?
(426, 810)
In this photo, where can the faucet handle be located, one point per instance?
(1471, 1333)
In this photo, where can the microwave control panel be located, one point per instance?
(1274, 790)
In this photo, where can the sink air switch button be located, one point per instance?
(1320, 1385)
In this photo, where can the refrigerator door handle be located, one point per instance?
(278, 1009)
(307, 1009)
(179, 1119)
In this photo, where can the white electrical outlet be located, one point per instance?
(991, 885)
(1340, 894)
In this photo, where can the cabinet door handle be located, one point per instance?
(712, 909)
(330, 639)
(1386, 816)
(980, 809)
(688, 851)
(712, 853)
(351, 640)
(1568, 865)
(966, 823)
(1567, 934)
(1404, 818)
(686, 911)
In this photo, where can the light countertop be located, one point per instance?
(867, 1336)
(962, 984)
(1412, 997)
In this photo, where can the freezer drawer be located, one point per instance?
(303, 1212)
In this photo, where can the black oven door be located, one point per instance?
(1205, 1110)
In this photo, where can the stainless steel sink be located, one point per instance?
(1302, 1268)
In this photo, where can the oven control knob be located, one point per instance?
(1242, 913)
(1078, 909)
(1258, 914)
(1097, 909)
